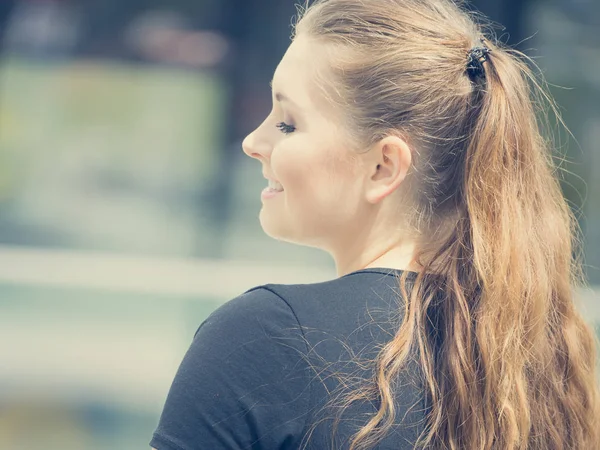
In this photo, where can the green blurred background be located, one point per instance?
(128, 211)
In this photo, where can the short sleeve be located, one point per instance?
(243, 383)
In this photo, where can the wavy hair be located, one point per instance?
(507, 361)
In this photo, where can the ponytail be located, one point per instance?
(518, 358)
(516, 364)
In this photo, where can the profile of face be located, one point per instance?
(303, 145)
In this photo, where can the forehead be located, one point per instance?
(300, 72)
(294, 60)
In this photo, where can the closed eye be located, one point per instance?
(285, 128)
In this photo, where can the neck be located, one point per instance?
(397, 256)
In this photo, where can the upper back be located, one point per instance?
(345, 322)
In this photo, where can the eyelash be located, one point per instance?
(285, 128)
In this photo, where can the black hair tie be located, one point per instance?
(475, 59)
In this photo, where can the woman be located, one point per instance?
(406, 145)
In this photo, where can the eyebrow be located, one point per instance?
(279, 96)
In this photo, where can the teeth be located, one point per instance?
(275, 185)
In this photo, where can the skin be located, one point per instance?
(335, 198)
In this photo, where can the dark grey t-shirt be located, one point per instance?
(262, 366)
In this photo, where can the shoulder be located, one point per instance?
(259, 305)
(255, 321)
(243, 378)
(341, 304)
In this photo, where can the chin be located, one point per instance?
(277, 229)
(271, 226)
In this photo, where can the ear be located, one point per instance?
(387, 166)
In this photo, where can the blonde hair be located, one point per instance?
(507, 361)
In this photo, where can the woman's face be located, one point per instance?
(302, 145)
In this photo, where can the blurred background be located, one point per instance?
(128, 211)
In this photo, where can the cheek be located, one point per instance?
(318, 185)
(314, 172)
(303, 171)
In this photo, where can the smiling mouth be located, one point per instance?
(269, 192)
(275, 185)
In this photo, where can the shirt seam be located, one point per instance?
(165, 440)
(310, 384)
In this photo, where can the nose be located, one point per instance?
(255, 145)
